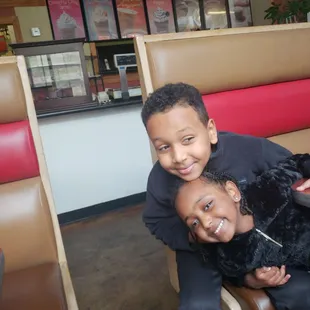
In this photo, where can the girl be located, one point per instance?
(259, 225)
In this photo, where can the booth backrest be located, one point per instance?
(265, 111)
(27, 232)
(254, 80)
(222, 60)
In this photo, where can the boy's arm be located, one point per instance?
(161, 219)
(289, 170)
(272, 189)
(301, 162)
(272, 154)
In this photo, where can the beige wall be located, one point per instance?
(35, 16)
(258, 12)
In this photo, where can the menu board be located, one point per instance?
(66, 18)
(240, 12)
(160, 15)
(131, 18)
(100, 19)
(188, 15)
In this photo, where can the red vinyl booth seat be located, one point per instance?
(262, 111)
(18, 158)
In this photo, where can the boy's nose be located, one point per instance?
(179, 155)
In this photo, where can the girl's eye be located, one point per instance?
(208, 206)
(195, 224)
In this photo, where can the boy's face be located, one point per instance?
(210, 211)
(182, 142)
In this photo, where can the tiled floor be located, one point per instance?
(116, 264)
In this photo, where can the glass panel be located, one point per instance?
(215, 14)
(240, 12)
(188, 16)
(56, 76)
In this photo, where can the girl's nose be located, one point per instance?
(206, 221)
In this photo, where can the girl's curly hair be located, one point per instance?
(219, 179)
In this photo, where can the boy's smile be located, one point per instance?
(181, 140)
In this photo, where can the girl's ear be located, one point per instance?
(233, 191)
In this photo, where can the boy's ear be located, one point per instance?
(233, 191)
(212, 131)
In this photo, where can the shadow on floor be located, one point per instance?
(116, 264)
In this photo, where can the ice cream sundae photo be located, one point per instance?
(101, 21)
(185, 10)
(242, 16)
(215, 14)
(126, 18)
(129, 21)
(161, 20)
(67, 26)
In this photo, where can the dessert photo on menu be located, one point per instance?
(100, 18)
(160, 13)
(188, 15)
(131, 18)
(215, 14)
(67, 20)
(240, 12)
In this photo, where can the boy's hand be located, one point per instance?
(303, 186)
(267, 277)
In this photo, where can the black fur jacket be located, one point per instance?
(276, 215)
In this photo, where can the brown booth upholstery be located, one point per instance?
(36, 274)
(1, 270)
(227, 61)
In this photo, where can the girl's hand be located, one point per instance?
(267, 277)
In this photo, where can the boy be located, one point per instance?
(186, 141)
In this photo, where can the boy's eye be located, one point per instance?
(208, 205)
(188, 140)
(163, 148)
(195, 224)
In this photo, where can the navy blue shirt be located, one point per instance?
(241, 156)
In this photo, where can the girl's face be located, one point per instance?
(210, 211)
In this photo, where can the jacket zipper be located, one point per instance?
(269, 238)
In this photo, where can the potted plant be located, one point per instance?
(292, 11)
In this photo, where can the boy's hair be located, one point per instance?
(167, 97)
(219, 179)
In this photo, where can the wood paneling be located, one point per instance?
(13, 20)
(93, 52)
(4, 12)
(113, 81)
(14, 3)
